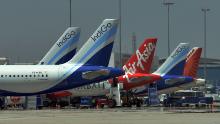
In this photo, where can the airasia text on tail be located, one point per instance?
(141, 61)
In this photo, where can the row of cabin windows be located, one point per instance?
(24, 75)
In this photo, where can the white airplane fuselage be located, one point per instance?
(37, 79)
(28, 78)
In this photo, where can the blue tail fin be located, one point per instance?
(174, 64)
(64, 49)
(97, 50)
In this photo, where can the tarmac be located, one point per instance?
(107, 116)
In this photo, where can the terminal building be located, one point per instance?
(4, 61)
(212, 74)
(213, 70)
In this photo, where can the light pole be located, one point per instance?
(205, 10)
(119, 12)
(70, 17)
(168, 4)
(70, 13)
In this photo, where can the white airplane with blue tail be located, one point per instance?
(86, 67)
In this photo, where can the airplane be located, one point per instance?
(190, 69)
(172, 83)
(63, 49)
(84, 68)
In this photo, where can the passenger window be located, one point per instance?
(9, 75)
(30, 75)
(18, 76)
(42, 75)
(46, 75)
(13, 75)
(34, 75)
(22, 75)
(25, 75)
(6, 75)
(1, 75)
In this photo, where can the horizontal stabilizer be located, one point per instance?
(89, 75)
(140, 79)
(174, 80)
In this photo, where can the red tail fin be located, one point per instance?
(141, 61)
(192, 62)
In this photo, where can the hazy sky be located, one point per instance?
(28, 28)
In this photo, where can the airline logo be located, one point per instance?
(190, 54)
(179, 50)
(145, 55)
(192, 62)
(177, 58)
(102, 30)
(66, 37)
(141, 58)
